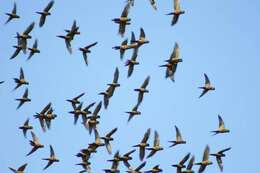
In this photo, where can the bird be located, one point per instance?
(111, 89)
(172, 63)
(116, 158)
(126, 157)
(24, 99)
(70, 35)
(93, 120)
(17, 51)
(190, 165)
(113, 169)
(107, 138)
(35, 143)
(76, 113)
(176, 13)
(219, 156)
(136, 170)
(205, 160)
(131, 63)
(21, 80)
(1, 82)
(49, 117)
(98, 142)
(12, 15)
(85, 50)
(34, 49)
(179, 139)
(142, 90)
(207, 87)
(20, 169)
(155, 169)
(41, 116)
(22, 38)
(153, 4)
(52, 159)
(142, 38)
(85, 112)
(143, 144)
(179, 166)
(45, 13)
(86, 166)
(123, 20)
(26, 127)
(156, 145)
(133, 112)
(221, 127)
(122, 48)
(74, 101)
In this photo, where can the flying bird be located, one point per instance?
(123, 20)
(26, 127)
(155, 169)
(85, 50)
(126, 157)
(93, 120)
(190, 165)
(172, 63)
(22, 38)
(52, 159)
(109, 138)
(74, 101)
(207, 87)
(42, 115)
(21, 80)
(70, 36)
(122, 48)
(113, 169)
(133, 112)
(176, 13)
(138, 169)
(12, 15)
(156, 145)
(20, 169)
(45, 13)
(142, 90)
(221, 127)
(1, 82)
(179, 166)
(24, 99)
(17, 51)
(76, 113)
(35, 143)
(143, 144)
(34, 49)
(179, 139)
(49, 117)
(131, 63)
(205, 160)
(219, 156)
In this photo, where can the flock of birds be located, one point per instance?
(90, 119)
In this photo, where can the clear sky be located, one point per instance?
(220, 38)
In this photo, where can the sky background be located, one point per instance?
(220, 38)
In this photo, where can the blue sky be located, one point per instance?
(217, 38)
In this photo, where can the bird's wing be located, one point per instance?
(48, 7)
(29, 28)
(185, 158)
(146, 82)
(206, 153)
(22, 168)
(91, 45)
